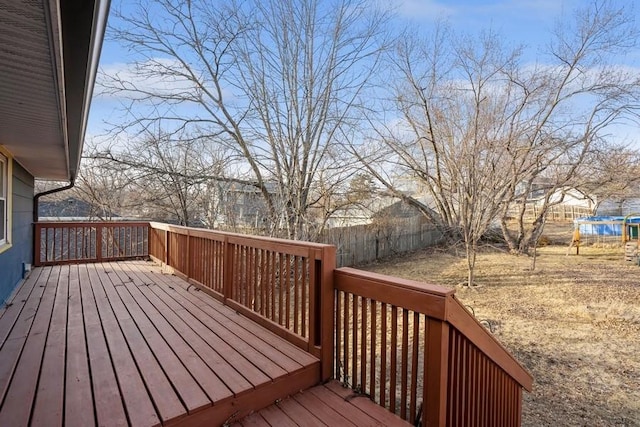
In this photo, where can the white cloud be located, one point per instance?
(424, 9)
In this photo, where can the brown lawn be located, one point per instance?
(573, 322)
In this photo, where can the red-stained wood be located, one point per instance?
(470, 327)
(240, 325)
(332, 416)
(136, 399)
(225, 333)
(164, 397)
(363, 345)
(253, 420)
(373, 349)
(415, 348)
(49, 403)
(299, 414)
(324, 405)
(354, 338)
(181, 320)
(276, 417)
(98, 241)
(172, 349)
(14, 307)
(165, 344)
(78, 391)
(27, 370)
(404, 386)
(108, 400)
(393, 346)
(231, 361)
(379, 414)
(428, 299)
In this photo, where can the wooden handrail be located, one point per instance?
(410, 346)
(285, 286)
(382, 320)
(77, 242)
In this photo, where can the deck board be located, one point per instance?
(124, 344)
(48, 408)
(224, 329)
(236, 325)
(108, 401)
(78, 391)
(197, 377)
(137, 401)
(28, 367)
(229, 376)
(16, 335)
(324, 405)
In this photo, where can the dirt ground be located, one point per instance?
(573, 322)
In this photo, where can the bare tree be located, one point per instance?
(478, 127)
(568, 106)
(172, 179)
(280, 82)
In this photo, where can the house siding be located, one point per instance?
(11, 260)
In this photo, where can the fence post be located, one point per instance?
(435, 373)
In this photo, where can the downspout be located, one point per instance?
(36, 198)
(34, 254)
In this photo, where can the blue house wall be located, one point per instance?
(11, 260)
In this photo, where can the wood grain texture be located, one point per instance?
(119, 344)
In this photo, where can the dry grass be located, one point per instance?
(573, 322)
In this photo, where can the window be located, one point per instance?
(4, 189)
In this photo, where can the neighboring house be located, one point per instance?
(618, 206)
(362, 212)
(48, 62)
(240, 206)
(569, 197)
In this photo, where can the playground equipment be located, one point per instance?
(620, 230)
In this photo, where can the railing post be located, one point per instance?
(188, 259)
(37, 243)
(324, 321)
(149, 233)
(435, 373)
(227, 273)
(99, 241)
(166, 248)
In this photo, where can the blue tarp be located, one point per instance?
(613, 226)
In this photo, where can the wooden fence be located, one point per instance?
(414, 349)
(361, 244)
(75, 242)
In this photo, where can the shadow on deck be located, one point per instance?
(124, 344)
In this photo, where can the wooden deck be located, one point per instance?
(124, 344)
(324, 405)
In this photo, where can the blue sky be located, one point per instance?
(525, 22)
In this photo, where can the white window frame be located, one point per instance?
(4, 196)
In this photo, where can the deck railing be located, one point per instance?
(286, 286)
(411, 347)
(76, 242)
(414, 349)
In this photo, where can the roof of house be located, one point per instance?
(48, 63)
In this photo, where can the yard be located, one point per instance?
(573, 322)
